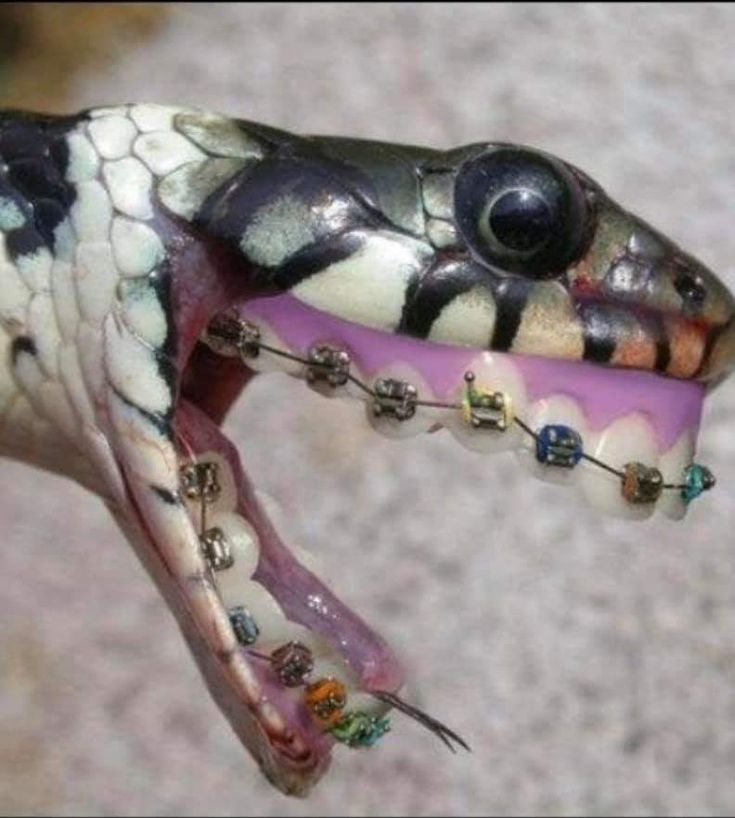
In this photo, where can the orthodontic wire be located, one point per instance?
(282, 353)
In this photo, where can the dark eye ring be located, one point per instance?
(521, 211)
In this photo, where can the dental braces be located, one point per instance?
(326, 698)
(200, 482)
(556, 445)
(293, 662)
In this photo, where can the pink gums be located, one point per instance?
(671, 406)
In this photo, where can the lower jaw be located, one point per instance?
(302, 606)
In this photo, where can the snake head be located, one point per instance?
(494, 290)
(563, 270)
(159, 258)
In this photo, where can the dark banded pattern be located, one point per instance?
(34, 156)
(437, 288)
(599, 338)
(511, 297)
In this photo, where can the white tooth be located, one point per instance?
(555, 409)
(496, 374)
(627, 440)
(274, 628)
(327, 390)
(243, 543)
(329, 663)
(424, 417)
(227, 498)
(268, 362)
(672, 466)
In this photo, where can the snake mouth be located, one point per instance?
(291, 665)
(623, 438)
(293, 668)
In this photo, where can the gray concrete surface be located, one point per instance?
(590, 662)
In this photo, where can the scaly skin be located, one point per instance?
(124, 231)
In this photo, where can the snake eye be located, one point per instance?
(521, 212)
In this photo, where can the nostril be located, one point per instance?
(691, 289)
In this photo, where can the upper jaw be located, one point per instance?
(623, 416)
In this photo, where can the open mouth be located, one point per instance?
(494, 292)
(318, 674)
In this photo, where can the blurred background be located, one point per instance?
(589, 662)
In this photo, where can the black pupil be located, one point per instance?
(521, 220)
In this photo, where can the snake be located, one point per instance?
(154, 259)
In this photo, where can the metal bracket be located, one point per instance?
(697, 479)
(394, 398)
(292, 663)
(328, 364)
(230, 335)
(200, 481)
(483, 409)
(216, 549)
(641, 484)
(559, 445)
(245, 627)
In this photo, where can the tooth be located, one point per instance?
(555, 409)
(274, 628)
(365, 703)
(329, 663)
(494, 374)
(266, 361)
(626, 440)
(243, 543)
(227, 497)
(385, 422)
(672, 466)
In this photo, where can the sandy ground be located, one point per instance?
(590, 662)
